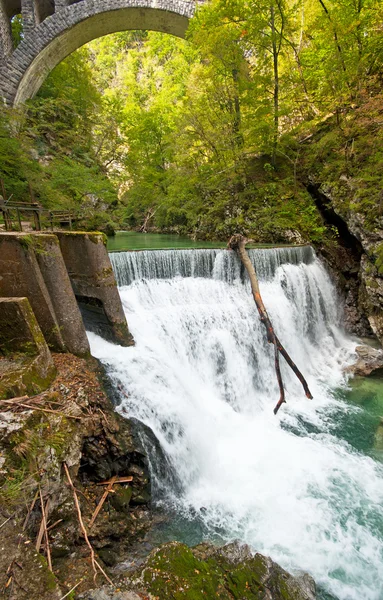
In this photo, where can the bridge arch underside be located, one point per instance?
(72, 27)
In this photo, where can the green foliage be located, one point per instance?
(17, 29)
(143, 130)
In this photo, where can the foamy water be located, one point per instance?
(201, 376)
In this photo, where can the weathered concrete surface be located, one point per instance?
(20, 276)
(91, 274)
(26, 365)
(55, 275)
(72, 25)
(31, 265)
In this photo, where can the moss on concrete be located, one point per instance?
(31, 369)
(31, 377)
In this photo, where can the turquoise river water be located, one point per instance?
(304, 487)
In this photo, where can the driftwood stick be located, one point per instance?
(126, 479)
(103, 498)
(46, 537)
(238, 243)
(95, 564)
(41, 531)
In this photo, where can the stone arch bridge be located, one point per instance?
(53, 29)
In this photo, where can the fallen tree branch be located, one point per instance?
(238, 243)
(116, 479)
(103, 498)
(95, 564)
(13, 402)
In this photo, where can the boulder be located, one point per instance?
(369, 361)
(231, 572)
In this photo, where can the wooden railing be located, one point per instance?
(12, 211)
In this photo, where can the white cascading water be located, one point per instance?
(201, 377)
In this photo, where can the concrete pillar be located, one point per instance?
(6, 44)
(91, 274)
(56, 278)
(27, 365)
(32, 265)
(20, 275)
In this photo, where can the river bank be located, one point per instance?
(74, 424)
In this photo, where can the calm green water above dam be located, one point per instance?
(132, 240)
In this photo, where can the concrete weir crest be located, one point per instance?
(54, 30)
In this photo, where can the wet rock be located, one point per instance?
(343, 263)
(120, 500)
(109, 557)
(177, 572)
(369, 361)
(141, 496)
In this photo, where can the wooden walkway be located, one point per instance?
(13, 211)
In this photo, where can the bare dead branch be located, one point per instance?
(95, 564)
(238, 243)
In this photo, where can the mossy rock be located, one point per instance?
(120, 500)
(177, 572)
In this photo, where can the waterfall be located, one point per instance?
(166, 264)
(201, 377)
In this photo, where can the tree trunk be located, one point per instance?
(276, 85)
(238, 243)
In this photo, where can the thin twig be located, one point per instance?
(116, 479)
(54, 524)
(17, 399)
(71, 590)
(6, 521)
(44, 520)
(41, 530)
(95, 564)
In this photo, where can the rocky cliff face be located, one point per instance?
(72, 423)
(342, 168)
(354, 258)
